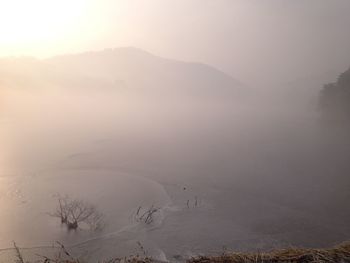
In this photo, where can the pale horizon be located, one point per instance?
(165, 130)
(268, 42)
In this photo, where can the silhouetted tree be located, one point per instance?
(73, 212)
(335, 98)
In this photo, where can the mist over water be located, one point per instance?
(267, 171)
(173, 129)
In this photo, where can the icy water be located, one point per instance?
(222, 177)
(26, 202)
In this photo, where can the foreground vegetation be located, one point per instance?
(340, 253)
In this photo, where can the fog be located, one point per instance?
(257, 42)
(123, 128)
(213, 119)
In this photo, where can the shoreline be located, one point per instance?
(152, 190)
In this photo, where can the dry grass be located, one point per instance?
(339, 254)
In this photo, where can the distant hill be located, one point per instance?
(138, 70)
(335, 99)
(120, 69)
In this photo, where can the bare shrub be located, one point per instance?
(74, 212)
(146, 216)
(19, 257)
(62, 210)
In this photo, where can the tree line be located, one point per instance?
(334, 100)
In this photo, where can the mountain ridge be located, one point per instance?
(126, 68)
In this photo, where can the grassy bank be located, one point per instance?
(340, 253)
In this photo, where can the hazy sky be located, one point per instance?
(256, 41)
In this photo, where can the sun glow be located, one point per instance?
(28, 24)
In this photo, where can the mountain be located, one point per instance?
(123, 87)
(120, 69)
(128, 70)
(137, 70)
